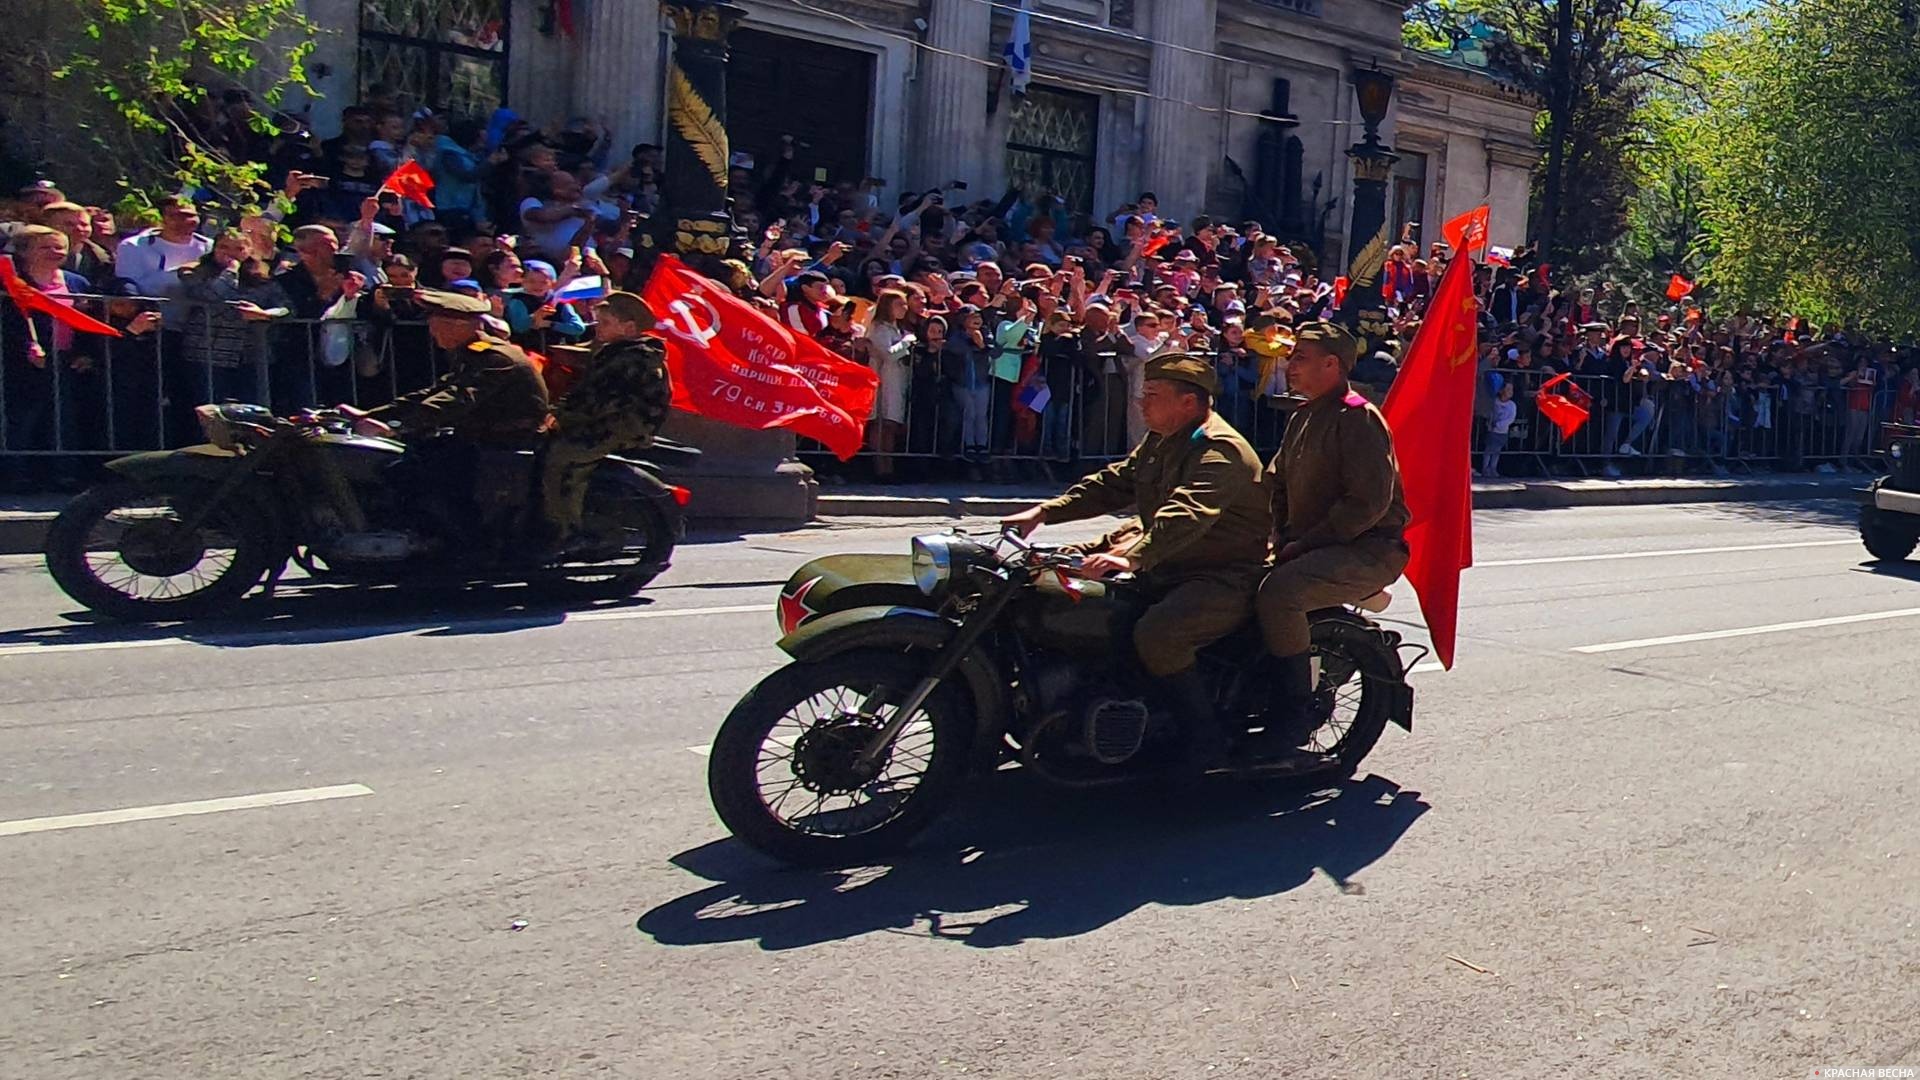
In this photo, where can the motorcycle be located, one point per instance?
(910, 673)
(185, 534)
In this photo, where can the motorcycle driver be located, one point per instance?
(1199, 544)
(491, 396)
(1338, 515)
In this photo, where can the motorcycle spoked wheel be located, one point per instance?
(1352, 709)
(646, 546)
(782, 772)
(121, 550)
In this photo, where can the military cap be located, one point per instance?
(1332, 337)
(1181, 367)
(628, 307)
(452, 303)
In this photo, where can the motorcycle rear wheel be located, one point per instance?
(647, 551)
(118, 549)
(784, 754)
(1353, 664)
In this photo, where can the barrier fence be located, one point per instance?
(65, 395)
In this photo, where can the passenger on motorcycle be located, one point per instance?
(1338, 515)
(1199, 543)
(492, 396)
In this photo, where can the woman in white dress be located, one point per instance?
(889, 346)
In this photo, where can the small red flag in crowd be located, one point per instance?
(732, 363)
(1152, 247)
(28, 298)
(1340, 285)
(1565, 410)
(411, 182)
(1430, 410)
(1468, 232)
(1679, 288)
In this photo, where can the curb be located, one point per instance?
(1547, 495)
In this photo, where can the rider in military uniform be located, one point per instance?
(1201, 539)
(1338, 515)
(491, 396)
(617, 405)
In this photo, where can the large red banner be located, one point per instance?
(732, 363)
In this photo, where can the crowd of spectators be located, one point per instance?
(1008, 333)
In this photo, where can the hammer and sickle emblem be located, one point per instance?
(684, 325)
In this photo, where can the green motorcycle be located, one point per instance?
(911, 673)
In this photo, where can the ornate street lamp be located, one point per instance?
(1364, 309)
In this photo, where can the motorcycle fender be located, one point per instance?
(1399, 694)
(635, 477)
(911, 629)
(205, 462)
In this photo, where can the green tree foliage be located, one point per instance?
(1592, 65)
(1809, 152)
(126, 90)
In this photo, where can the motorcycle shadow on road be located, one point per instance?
(1034, 864)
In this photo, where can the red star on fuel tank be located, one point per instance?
(793, 607)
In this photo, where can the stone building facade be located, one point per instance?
(1220, 106)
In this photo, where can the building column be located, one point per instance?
(1176, 159)
(617, 78)
(949, 129)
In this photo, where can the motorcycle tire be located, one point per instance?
(734, 765)
(618, 580)
(1351, 642)
(1884, 541)
(68, 548)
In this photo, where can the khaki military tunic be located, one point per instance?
(1201, 537)
(492, 394)
(1335, 488)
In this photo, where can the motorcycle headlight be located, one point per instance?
(1895, 450)
(932, 563)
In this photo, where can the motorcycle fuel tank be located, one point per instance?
(359, 458)
(1078, 618)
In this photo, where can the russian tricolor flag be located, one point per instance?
(582, 290)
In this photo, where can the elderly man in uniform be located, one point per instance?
(618, 404)
(491, 396)
(1338, 515)
(1200, 542)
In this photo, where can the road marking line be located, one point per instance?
(1612, 555)
(704, 749)
(350, 632)
(1430, 665)
(1747, 631)
(182, 809)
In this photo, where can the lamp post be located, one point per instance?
(1364, 310)
(693, 221)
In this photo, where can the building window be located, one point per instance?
(1299, 7)
(447, 54)
(1120, 14)
(1051, 144)
(1409, 192)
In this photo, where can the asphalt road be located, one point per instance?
(1689, 857)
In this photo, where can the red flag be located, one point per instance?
(1430, 410)
(1468, 232)
(734, 364)
(1565, 411)
(28, 298)
(1340, 285)
(1152, 247)
(411, 182)
(1678, 287)
(1545, 281)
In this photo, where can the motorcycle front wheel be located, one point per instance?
(784, 773)
(125, 551)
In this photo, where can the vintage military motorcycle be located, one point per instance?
(180, 534)
(911, 673)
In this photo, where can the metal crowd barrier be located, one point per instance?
(103, 396)
(1670, 430)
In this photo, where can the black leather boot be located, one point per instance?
(1189, 696)
(1292, 719)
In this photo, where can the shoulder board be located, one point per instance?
(1353, 400)
(481, 345)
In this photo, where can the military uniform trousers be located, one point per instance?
(567, 464)
(1189, 614)
(1321, 578)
